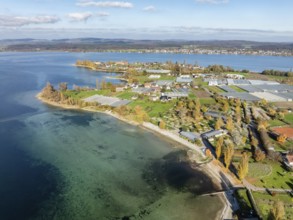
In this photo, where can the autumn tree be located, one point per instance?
(242, 168)
(104, 84)
(254, 142)
(97, 84)
(238, 113)
(140, 114)
(229, 124)
(225, 107)
(259, 155)
(219, 146)
(63, 86)
(278, 210)
(197, 109)
(281, 138)
(228, 154)
(219, 123)
(162, 124)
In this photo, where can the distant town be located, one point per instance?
(150, 46)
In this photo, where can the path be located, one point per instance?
(255, 188)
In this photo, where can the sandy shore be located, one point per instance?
(213, 169)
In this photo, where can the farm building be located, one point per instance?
(214, 133)
(191, 136)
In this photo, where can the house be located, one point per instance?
(154, 98)
(165, 98)
(184, 79)
(142, 90)
(162, 83)
(120, 89)
(214, 134)
(191, 136)
(213, 114)
(173, 95)
(235, 76)
(213, 82)
(288, 160)
(154, 76)
(148, 85)
(158, 71)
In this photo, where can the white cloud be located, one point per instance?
(105, 4)
(149, 8)
(103, 14)
(80, 16)
(17, 21)
(213, 1)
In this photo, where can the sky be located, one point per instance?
(258, 20)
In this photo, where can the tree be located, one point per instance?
(104, 84)
(162, 124)
(254, 142)
(219, 123)
(259, 155)
(197, 109)
(97, 84)
(190, 105)
(242, 169)
(219, 146)
(63, 86)
(278, 211)
(228, 154)
(204, 109)
(225, 106)
(229, 124)
(140, 114)
(281, 138)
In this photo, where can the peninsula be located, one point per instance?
(238, 124)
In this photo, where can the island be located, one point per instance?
(237, 124)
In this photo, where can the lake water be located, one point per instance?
(61, 164)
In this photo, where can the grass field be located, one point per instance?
(274, 123)
(259, 170)
(237, 89)
(207, 101)
(265, 202)
(154, 109)
(215, 89)
(81, 94)
(278, 178)
(244, 203)
(289, 118)
(126, 95)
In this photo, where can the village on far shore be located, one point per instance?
(241, 121)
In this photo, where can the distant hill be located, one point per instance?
(96, 44)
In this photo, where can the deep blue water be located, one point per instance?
(57, 164)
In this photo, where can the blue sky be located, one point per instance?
(261, 20)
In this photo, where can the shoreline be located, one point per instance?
(210, 169)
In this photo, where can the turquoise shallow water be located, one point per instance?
(61, 164)
(109, 170)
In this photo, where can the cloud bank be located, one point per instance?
(212, 1)
(149, 8)
(105, 4)
(80, 16)
(18, 21)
